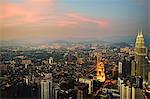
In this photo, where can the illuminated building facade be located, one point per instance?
(140, 54)
(100, 71)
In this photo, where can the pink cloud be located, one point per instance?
(79, 18)
(23, 15)
(72, 19)
(40, 5)
(66, 23)
(35, 11)
(31, 11)
(10, 10)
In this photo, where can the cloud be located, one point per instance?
(75, 19)
(40, 5)
(79, 18)
(31, 11)
(66, 23)
(38, 11)
(21, 15)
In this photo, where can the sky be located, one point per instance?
(43, 20)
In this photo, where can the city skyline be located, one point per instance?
(42, 20)
(75, 49)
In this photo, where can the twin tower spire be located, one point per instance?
(140, 33)
(140, 40)
(140, 54)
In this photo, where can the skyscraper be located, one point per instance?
(46, 87)
(140, 54)
(100, 71)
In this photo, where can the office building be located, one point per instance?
(82, 92)
(46, 87)
(140, 54)
(130, 92)
(89, 82)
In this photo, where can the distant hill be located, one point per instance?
(115, 41)
(121, 44)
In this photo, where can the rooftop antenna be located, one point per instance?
(138, 32)
(141, 32)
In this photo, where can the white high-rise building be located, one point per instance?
(26, 65)
(127, 92)
(55, 93)
(89, 82)
(27, 80)
(120, 81)
(120, 67)
(46, 87)
(50, 61)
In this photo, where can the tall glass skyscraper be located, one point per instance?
(140, 54)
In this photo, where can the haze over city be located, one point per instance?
(75, 49)
(44, 20)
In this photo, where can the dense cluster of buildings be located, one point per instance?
(78, 72)
(134, 69)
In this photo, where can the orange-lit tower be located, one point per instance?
(100, 69)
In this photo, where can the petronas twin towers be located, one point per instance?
(140, 54)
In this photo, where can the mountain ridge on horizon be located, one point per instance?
(126, 39)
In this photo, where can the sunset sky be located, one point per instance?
(42, 20)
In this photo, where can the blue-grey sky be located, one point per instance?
(39, 20)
